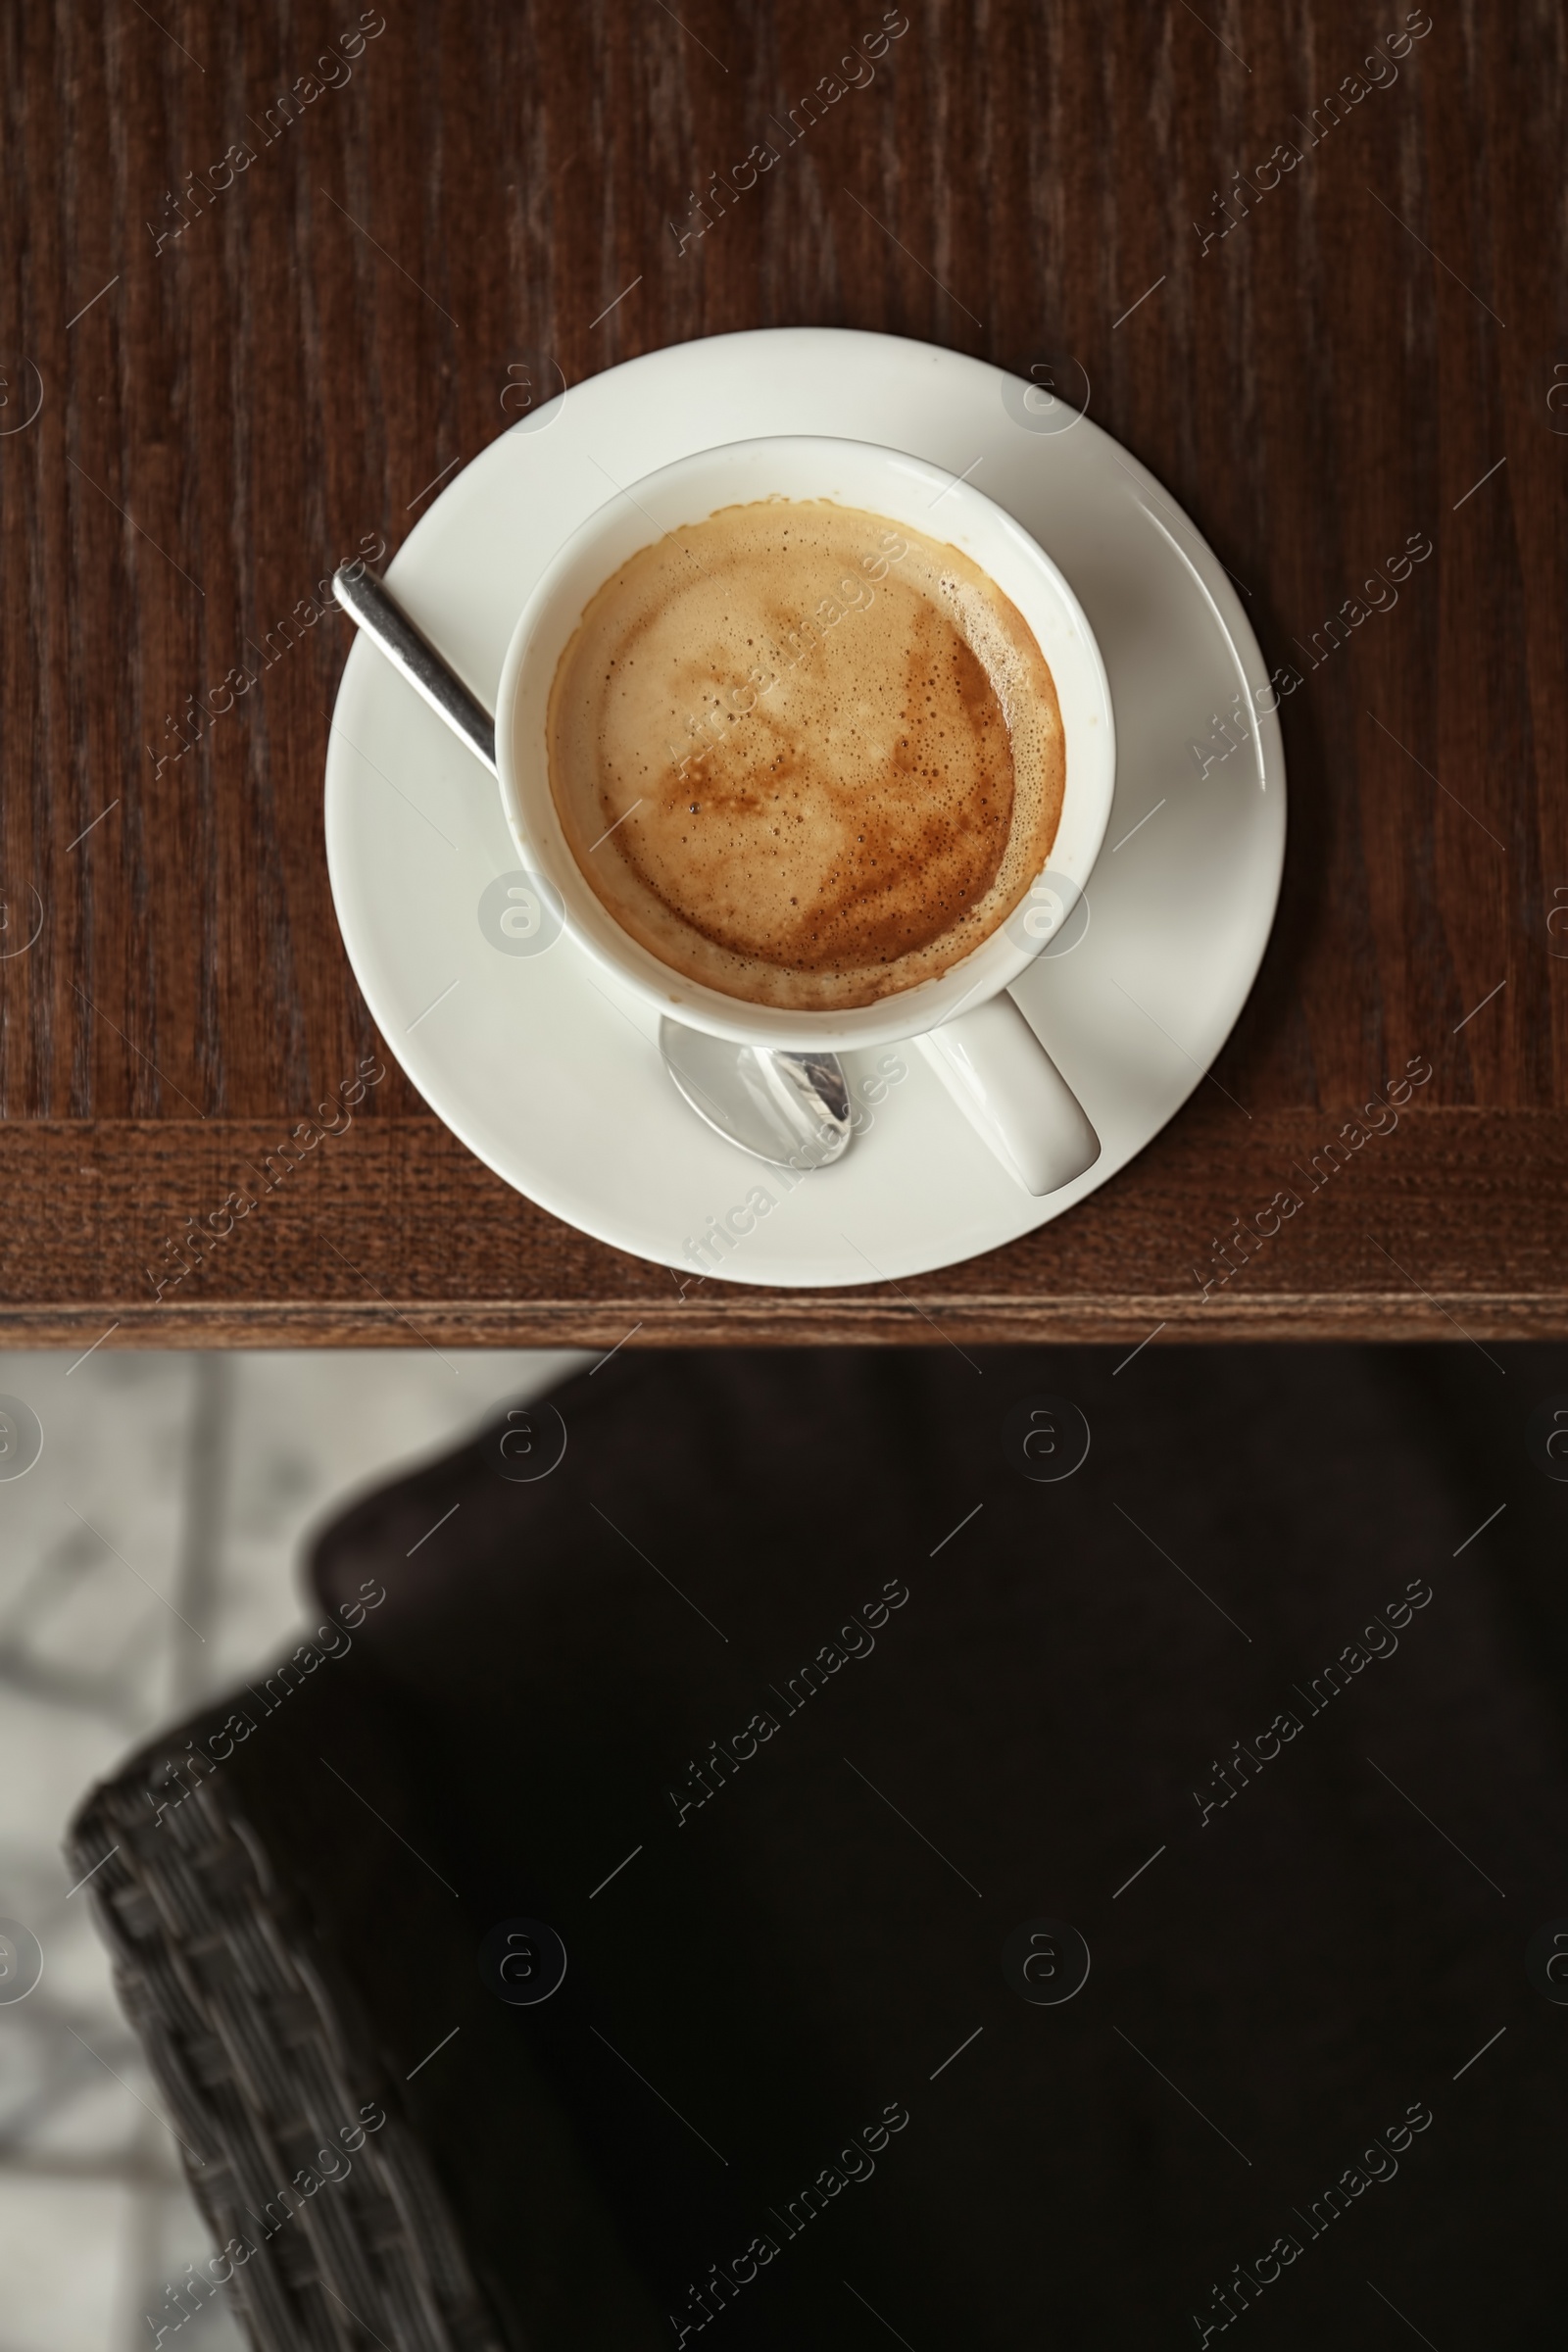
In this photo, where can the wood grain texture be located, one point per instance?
(239, 405)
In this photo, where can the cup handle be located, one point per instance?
(1000, 1075)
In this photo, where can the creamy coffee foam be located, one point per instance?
(805, 755)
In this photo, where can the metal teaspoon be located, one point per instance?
(791, 1110)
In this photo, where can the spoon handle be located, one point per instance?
(363, 595)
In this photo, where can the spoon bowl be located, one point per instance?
(791, 1110)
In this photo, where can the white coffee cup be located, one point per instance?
(966, 1022)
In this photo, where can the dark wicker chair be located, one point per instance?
(334, 2227)
(548, 1697)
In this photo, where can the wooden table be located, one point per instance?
(240, 336)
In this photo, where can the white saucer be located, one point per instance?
(555, 1083)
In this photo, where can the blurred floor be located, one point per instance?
(149, 1558)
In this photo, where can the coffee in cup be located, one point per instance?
(803, 755)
